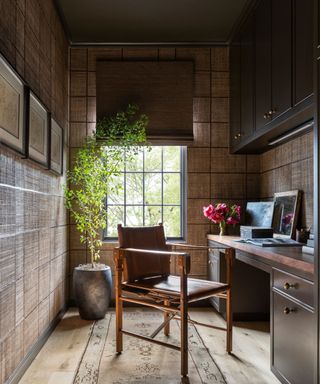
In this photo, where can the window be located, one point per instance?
(153, 192)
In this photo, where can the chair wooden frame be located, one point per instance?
(171, 305)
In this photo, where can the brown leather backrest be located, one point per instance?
(141, 265)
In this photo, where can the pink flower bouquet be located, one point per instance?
(222, 214)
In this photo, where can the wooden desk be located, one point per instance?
(289, 259)
(286, 286)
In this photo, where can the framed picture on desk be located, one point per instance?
(285, 216)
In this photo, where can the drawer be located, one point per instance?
(293, 341)
(294, 286)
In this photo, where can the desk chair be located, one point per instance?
(142, 263)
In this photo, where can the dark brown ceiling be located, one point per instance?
(149, 21)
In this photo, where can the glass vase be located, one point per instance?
(222, 227)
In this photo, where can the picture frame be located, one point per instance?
(286, 211)
(56, 147)
(37, 131)
(12, 109)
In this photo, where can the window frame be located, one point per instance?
(183, 195)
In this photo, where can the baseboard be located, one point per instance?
(27, 360)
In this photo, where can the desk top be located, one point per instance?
(290, 259)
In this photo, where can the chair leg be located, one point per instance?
(184, 326)
(118, 257)
(165, 318)
(229, 321)
(119, 341)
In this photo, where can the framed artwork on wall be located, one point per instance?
(38, 131)
(12, 109)
(56, 147)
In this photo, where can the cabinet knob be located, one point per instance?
(236, 137)
(288, 310)
(287, 286)
(270, 113)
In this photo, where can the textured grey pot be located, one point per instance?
(92, 290)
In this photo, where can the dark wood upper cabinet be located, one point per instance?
(235, 89)
(303, 16)
(281, 53)
(276, 73)
(247, 79)
(263, 63)
(242, 84)
(273, 48)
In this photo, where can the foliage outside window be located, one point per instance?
(153, 192)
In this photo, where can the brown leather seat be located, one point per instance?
(143, 277)
(170, 286)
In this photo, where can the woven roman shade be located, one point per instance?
(162, 90)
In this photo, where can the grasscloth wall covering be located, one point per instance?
(33, 221)
(288, 167)
(213, 174)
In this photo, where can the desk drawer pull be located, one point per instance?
(287, 286)
(288, 310)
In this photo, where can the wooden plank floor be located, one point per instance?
(59, 359)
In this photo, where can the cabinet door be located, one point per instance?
(235, 82)
(293, 340)
(247, 79)
(263, 63)
(303, 26)
(281, 47)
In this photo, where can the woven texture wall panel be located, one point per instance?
(31, 203)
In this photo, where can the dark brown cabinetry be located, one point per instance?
(247, 79)
(284, 275)
(280, 43)
(273, 58)
(303, 69)
(281, 58)
(263, 63)
(292, 328)
(242, 83)
(235, 89)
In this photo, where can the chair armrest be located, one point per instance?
(183, 257)
(165, 253)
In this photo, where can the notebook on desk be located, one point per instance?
(271, 242)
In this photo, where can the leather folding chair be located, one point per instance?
(142, 263)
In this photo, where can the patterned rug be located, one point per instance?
(142, 362)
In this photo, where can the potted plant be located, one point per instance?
(95, 167)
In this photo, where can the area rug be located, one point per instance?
(142, 362)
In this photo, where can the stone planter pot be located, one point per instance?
(92, 290)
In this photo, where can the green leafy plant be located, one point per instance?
(95, 166)
(124, 127)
